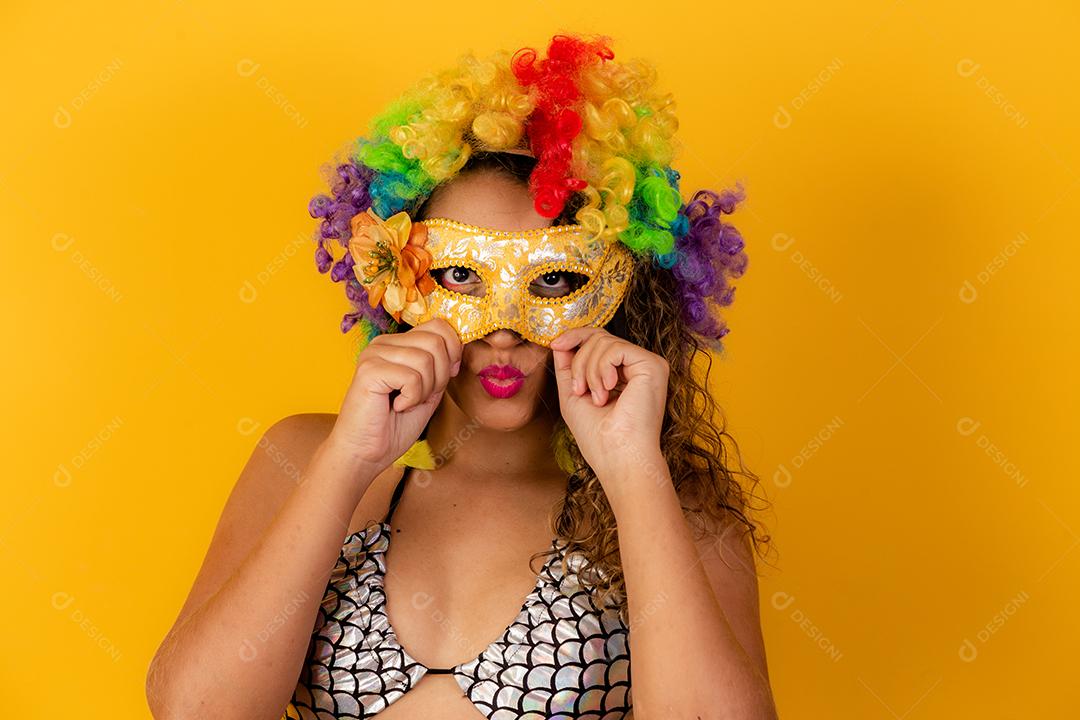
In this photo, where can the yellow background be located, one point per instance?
(901, 370)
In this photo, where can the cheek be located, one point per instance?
(537, 384)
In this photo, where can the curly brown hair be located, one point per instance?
(693, 430)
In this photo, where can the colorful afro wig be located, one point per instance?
(595, 126)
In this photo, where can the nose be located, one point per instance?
(503, 338)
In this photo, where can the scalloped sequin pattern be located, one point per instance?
(560, 658)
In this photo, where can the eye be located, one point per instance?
(557, 283)
(459, 279)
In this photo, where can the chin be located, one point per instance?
(498, 413)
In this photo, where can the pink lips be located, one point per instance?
(501, 381)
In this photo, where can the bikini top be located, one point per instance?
(561, 657)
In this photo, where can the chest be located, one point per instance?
(447, 602)
(554, 653)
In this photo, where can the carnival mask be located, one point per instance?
(394, 260)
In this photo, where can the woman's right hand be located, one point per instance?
(400, 379)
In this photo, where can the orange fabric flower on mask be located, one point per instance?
(391, 262)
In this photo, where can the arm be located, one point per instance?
(264, 577)
(695, 632)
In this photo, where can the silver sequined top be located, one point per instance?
(560, 658)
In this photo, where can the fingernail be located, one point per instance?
(455, 368)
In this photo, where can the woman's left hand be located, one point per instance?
(613, 394)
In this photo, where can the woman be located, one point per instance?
(524, 389)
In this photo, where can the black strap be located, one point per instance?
(397, 494)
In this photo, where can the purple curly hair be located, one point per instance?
(349, 197)
(711, 254)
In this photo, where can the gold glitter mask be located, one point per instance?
(508, 263)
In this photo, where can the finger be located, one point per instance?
(412, 393)
(579, 365)
(562, 360)
(595, 366)
(433, 344)
(441, 340)
(434, 399)
(387, 377)
(402, 351)
(610, 376)
(605, 367)
(572, 338)
(443, 329)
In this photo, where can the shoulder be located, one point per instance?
(299, 432)
(277, 460)
(291, 442)
(280, 454)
